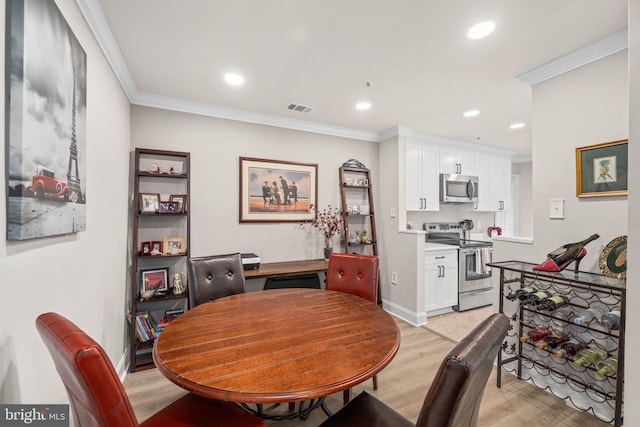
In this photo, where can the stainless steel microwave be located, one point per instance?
(456, 188)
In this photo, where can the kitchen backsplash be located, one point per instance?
(452, 213)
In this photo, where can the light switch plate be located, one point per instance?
(556, 208)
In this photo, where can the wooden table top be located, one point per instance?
(280, 345)
(287, 268)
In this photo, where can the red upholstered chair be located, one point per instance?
(98, 398)
(455, 395)
(213, 277)
(357, 275)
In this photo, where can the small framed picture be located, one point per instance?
(149, 202)
(364, 209)
(175, 245)
(182, 201)
(154, 280)
(169, 207)
(145, 250)
(156, 248)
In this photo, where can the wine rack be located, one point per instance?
(579, 386)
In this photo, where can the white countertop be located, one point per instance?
(428, 247)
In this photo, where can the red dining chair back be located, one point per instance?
(354, 274)
(454, 398)
(97, 396)
(357, 275)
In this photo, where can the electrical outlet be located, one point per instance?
(394, 278)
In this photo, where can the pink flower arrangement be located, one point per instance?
(328, 222)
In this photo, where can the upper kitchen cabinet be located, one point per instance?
(422, 178)
(456, 162)
(494, 177)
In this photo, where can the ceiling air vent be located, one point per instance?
(300, 108)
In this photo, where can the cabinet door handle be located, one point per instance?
(443, 270)
(501, 208)
(440, 257)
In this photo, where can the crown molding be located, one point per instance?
(94, 16)
(146, 99)
(602, 48)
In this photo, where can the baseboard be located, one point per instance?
(123, 365)
(413, 318)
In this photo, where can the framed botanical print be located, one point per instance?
(602, 169)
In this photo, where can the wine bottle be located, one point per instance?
(521, 294)
(611, 320)
(570, 347)
(589, 356)
(553, 303)
(608, 367)
(559, 259)
(552, 340)
(593, 313)
(535, 335)
(536, 297)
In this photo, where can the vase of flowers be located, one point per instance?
(328, 222)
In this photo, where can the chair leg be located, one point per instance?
(346, 396)
(292, 406)
(375, 382)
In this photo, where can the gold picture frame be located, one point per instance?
(175, 246)
(277, 191)
(602, 169)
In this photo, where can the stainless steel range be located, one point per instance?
(475, 285)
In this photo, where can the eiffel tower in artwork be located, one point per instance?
(73, 181)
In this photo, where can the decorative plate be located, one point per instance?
(613, 259)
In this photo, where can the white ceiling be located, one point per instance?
(424, 71)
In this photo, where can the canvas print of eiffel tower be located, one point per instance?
(46, 123)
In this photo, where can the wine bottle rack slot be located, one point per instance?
(566, 335)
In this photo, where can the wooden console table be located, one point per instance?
(287, 268)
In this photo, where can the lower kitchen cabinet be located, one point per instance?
(441, 280)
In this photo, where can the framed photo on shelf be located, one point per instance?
(149, 202)
(156, 279)
(145, 249)
(181, 199)
(277, 190)
(156, 248)
(175, 245)
(602, 169)
(169, 207)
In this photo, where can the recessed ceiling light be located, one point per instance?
(363, 106)
(234, 79)
(481, 30)
(517, 126)
(471, 113)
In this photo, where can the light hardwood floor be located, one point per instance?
(403, 385)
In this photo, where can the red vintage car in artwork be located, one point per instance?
(45, 183)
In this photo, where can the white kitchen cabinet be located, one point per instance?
(456, 162)
(441, 279)
(494, 182)
(423, 193)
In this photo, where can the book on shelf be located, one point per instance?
(145, 326)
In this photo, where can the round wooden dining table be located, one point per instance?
(274, 346)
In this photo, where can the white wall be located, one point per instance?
(584, 107)
(215, 146)
(83, 275)
(632, 368)
(525, 208)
